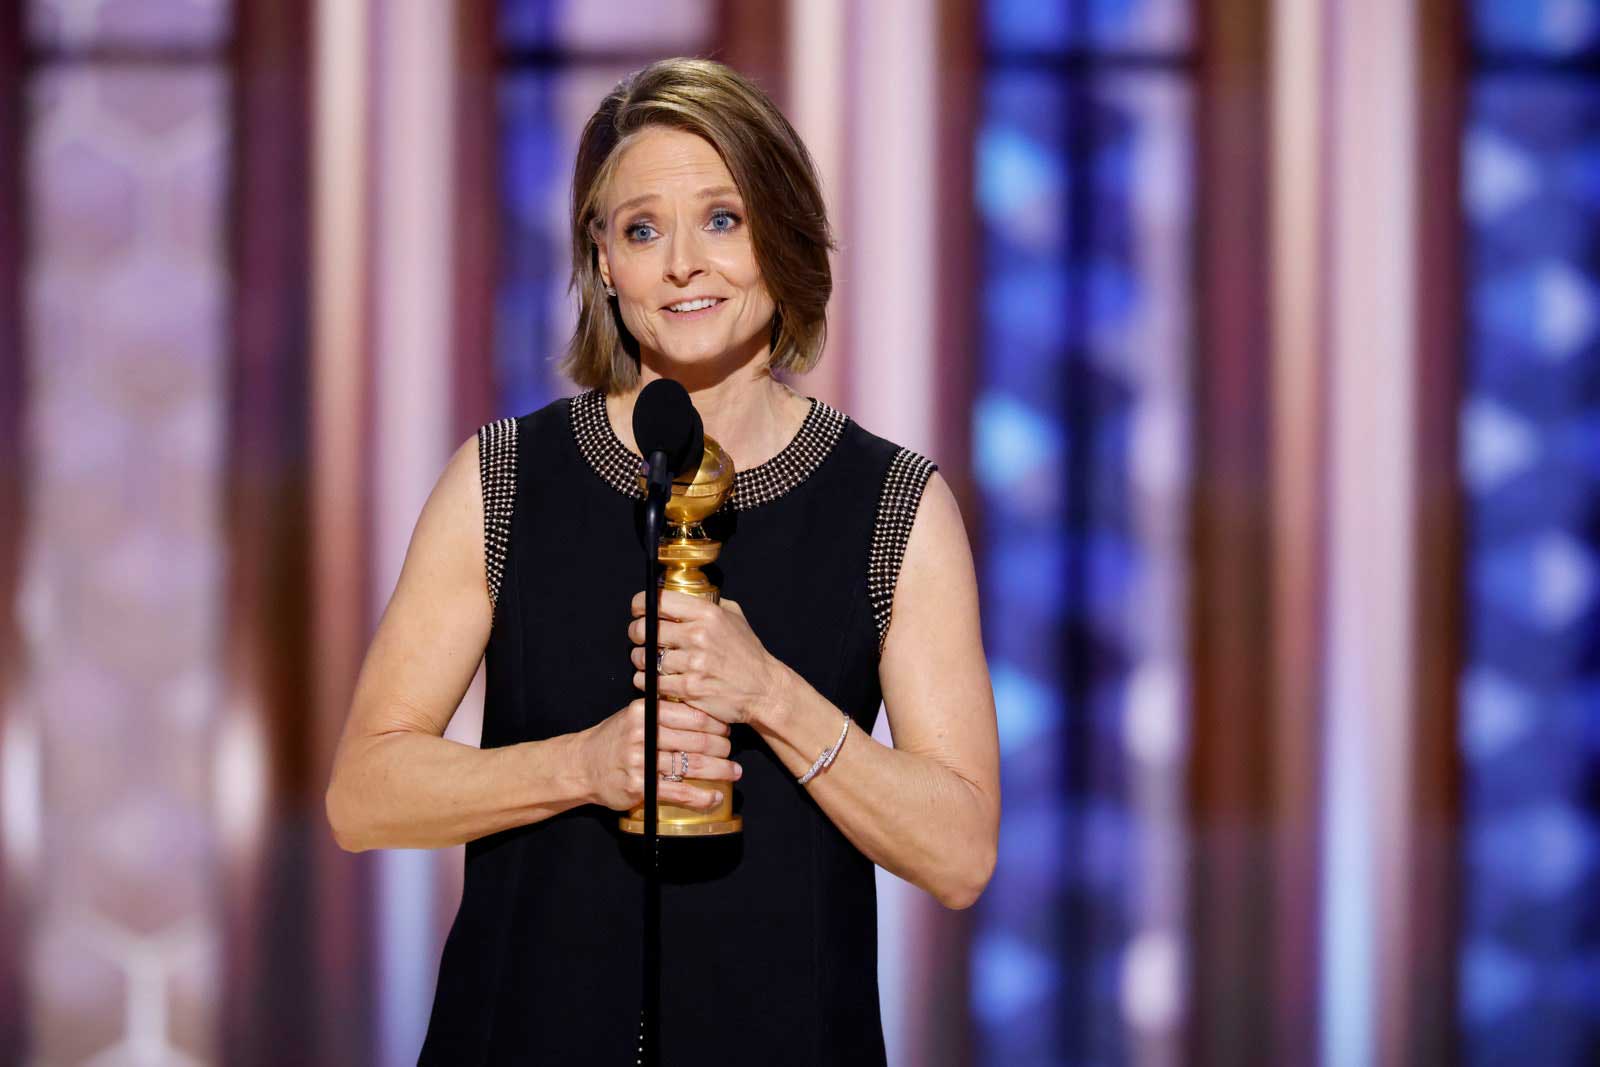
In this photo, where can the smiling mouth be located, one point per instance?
(686, 308)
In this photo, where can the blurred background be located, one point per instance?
(1260, 340)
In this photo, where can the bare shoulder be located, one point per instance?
(433, 631)
(449, 531)
(937, 581)
(938, 533)
(935, 678)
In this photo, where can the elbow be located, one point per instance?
(346, 834)
(968, 884)
(966, 881)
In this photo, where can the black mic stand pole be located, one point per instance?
(659, 487)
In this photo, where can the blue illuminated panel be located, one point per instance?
(1083, 182)
(1549, 28)
(1530, 694)
(1046, 26)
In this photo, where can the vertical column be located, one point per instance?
(753, 38)
(892, 251)
(1233, 932)
(818, 106)
(18, 790)
(1386, 749)
(412, 426)
(269, 796)
(475, 215)
(340, 408)
(123, 548)
(1438, 614)
(1300, 111)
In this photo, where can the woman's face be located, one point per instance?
(676, 247)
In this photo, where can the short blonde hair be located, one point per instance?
(775, 175)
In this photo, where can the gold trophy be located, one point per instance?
(683, 551)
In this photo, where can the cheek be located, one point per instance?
(635, 319)
(759, 308)
(629, 275)
(758, 302)
(630, 271)
(739, 267)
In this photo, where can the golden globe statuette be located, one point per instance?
(683, 551)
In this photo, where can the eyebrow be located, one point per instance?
(704, 194)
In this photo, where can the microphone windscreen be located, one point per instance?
(664, 420)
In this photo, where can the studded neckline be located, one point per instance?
(619, 467)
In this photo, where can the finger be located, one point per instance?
(673, 686)
(661, 679)
(688, 796)
(672, 634)
(692, 741)
(637, 656)
(683, 717)
(684, 607)
(711, 768)
(674, 605)
(675, 661)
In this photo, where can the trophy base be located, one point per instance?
(711, 828)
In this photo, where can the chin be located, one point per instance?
(700, 355)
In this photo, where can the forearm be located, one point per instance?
(409, 789)
(905, 811)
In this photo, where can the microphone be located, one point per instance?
(668, 431)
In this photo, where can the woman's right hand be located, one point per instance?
(611, 756)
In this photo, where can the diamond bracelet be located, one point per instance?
(826, 759)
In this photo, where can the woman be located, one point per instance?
(700, 253)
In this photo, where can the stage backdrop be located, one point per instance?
(1258, 341)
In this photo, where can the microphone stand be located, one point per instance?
(659, 488)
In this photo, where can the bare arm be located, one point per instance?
(927, 809)
(396, 781)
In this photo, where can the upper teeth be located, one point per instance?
(694, 305)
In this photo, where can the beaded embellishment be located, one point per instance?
(497, 471)
(620, 467)
(902, 491)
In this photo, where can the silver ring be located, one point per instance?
(679, 776)
(661, 652)
(683, 766)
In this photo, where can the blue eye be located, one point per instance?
(724, 216)
(632, 232)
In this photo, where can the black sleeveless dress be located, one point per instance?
(769, 937)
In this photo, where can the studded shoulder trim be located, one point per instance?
(619, 467)
(497, 472)
(897, 508)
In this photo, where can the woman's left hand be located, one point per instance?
(713, 660)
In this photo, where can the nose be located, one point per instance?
(684, 256)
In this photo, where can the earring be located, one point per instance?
(610, 291)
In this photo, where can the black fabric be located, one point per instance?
(769, 937)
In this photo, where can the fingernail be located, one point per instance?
(738, 770)
(716, 798)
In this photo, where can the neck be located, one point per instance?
(750, 414)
